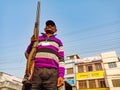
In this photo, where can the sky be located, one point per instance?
(86, 27)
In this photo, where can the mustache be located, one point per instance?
(49, 32)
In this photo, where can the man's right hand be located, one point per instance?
(32, 38)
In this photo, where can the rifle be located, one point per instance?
(30, 60)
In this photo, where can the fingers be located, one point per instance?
(33, 39)
(60, 82)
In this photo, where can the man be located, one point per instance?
(49, 60)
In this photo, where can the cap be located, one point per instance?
(50, 22)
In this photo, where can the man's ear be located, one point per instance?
(56, 30)
(45, 29)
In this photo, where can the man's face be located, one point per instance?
(50, 29)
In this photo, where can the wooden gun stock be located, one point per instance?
(30, 61)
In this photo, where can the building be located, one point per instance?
(90, 73)
(10, 82)
(100, 72)
(112, 70)
(70, 70)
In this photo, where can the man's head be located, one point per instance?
(50, 27)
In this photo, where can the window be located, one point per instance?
(92, 84)
(98, 66)
(116, 82)
(112, 64)
(69, 70)
(89, 67)
(80, 68)
(71, 57)
(70, 77)
(82, 84)
(101, 83)
(118, 58)
(70, 80)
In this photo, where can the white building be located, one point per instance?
(9, 82)
(70, 70)
(112, 70)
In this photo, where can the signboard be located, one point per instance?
(88, 59)
(90, 75)
(71, 81)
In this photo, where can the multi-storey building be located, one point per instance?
(100, 72)
(70, 69)
(90, 73)
(112, 70)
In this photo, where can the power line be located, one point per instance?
(87, 51)
(93, 36)
(13, 68)
(92, 28)
(94, 42)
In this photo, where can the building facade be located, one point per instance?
(90, 73)
(100, 72)
(10, 82)
(111, 64)
(70, 70)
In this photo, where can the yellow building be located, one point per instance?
(90, 73)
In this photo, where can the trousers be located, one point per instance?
(44, 79)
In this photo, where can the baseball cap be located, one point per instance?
(50, 22)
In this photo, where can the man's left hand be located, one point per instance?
(60, 81)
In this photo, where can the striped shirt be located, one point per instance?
(50, 54)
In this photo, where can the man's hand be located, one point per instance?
(33, 39)
(60, 81)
